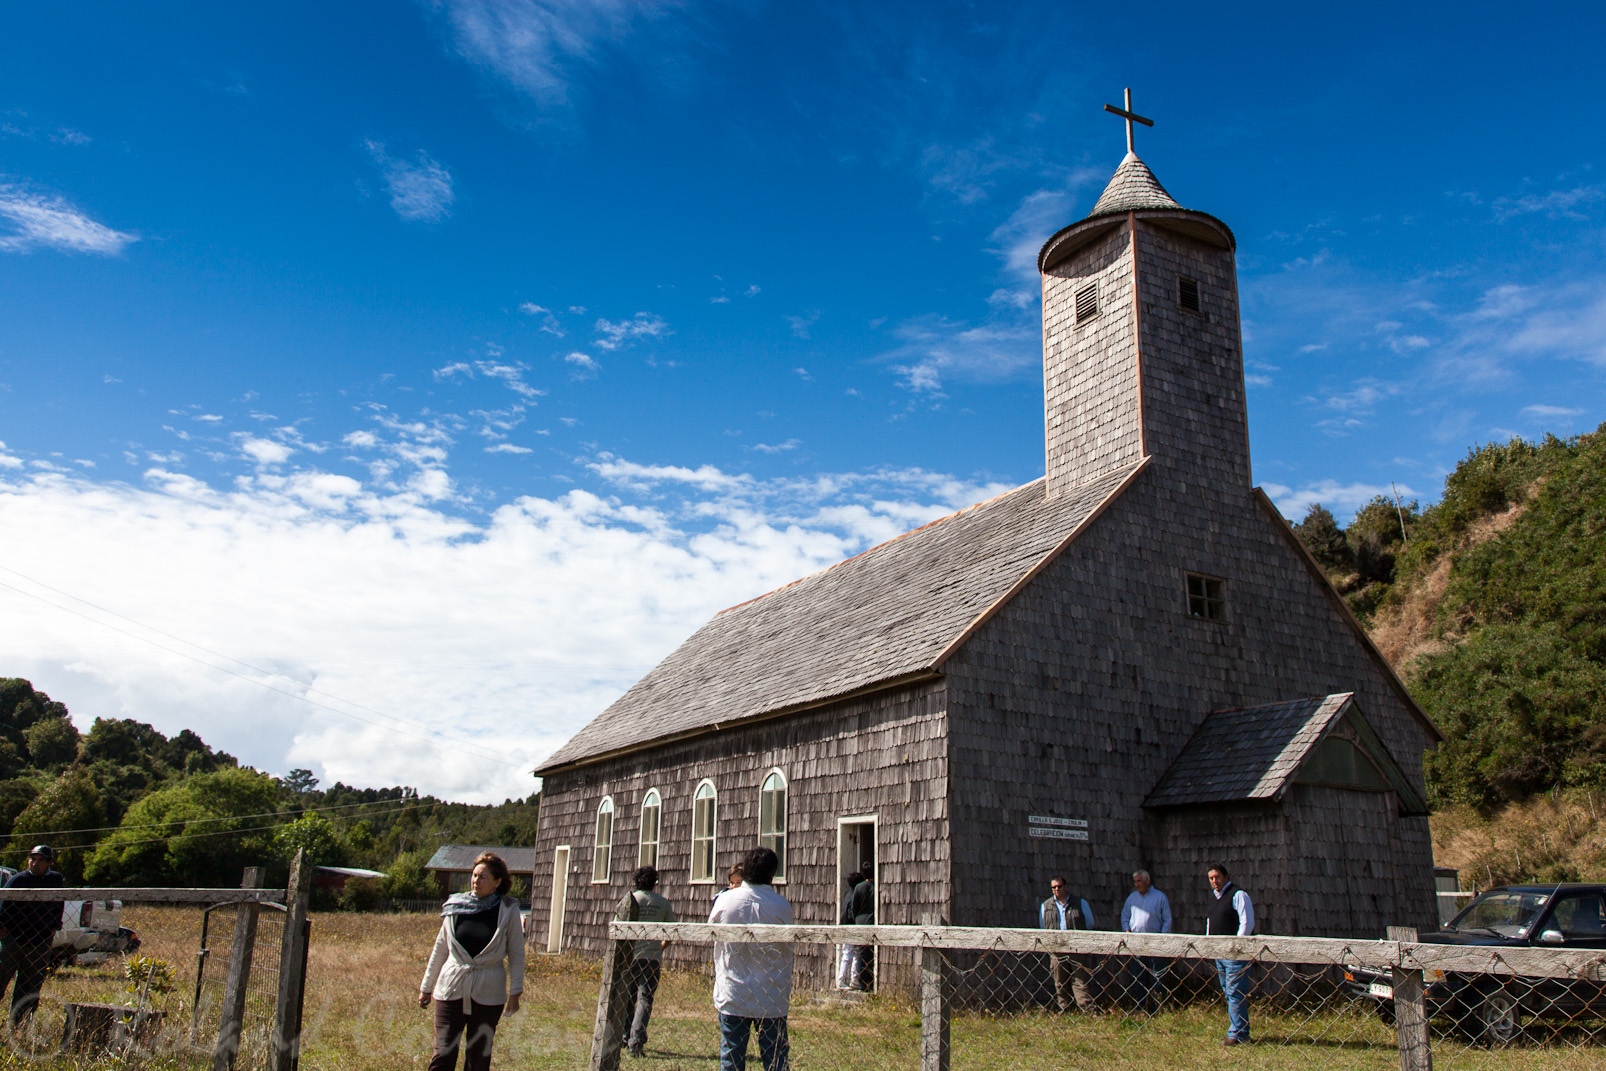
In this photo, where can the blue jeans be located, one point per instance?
(1233, 974)
(772, 1044)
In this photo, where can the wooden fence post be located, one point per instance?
(608, 1035)
(286, 1039)
(234, 990)
(1410, 1009)
(935, 1011)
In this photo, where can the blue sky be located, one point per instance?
(446, 363)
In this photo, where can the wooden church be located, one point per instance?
(1131, 662)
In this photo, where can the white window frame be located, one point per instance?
(765, 837)
(656, 803)
(602, 854)
(713, 831)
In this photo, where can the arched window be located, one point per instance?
(602, 858)
(702, 833)
(652, 810)
(772, 819)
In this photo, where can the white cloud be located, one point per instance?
(1556, 203)
(541, 47)
(264, 451)
(1550, 412)
(508, 448)
(778, 448)
(40, 221)
(1342, 499)
(614, 336)
(752, 291)
(508, 632)
(583, 360)
(934, 347)
(800, 325)
(549, 322)
(420, 188)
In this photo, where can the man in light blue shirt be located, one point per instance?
(1147, 910)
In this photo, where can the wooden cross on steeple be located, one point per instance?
(1131, 117)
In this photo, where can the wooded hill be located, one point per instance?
(1491, 605)
(123, 805)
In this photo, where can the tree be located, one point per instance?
(61, 816)
(52, 742)
(199, 832)
(313, 834)
(299, 781)
(1322, 536)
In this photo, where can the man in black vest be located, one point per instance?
(1231, 915)
(27, 930)
(1073, 977)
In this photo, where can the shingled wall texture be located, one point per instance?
(1076, 697)
(883, 754)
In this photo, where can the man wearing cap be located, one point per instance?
(27, 929)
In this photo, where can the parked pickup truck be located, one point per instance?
(1493, 1008)
(91, 930)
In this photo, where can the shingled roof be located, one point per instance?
(1253, 753)
(890, 613)
(462, 856)
(1132, 188)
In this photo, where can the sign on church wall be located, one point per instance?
(1042, 825)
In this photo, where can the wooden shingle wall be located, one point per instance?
(1193, 377)
(883, 755)
(1090, 370)
(1078, 695)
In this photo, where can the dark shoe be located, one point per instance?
(637, 1052)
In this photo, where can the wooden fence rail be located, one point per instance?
(151, 896)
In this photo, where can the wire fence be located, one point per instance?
(944, 999)
(183, 977)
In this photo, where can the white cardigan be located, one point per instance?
(453, 974)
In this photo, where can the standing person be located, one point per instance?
(1147, 910)
(1073, 978)
(466, 977)
(753, 982)
(847, 972)
(646, 962)
(1232, 915)
(27, 930)
(862, 905)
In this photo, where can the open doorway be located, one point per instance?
(560, 898)
(856, 852)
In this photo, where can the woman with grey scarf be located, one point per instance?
(467, 979)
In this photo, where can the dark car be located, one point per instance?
(1493, 1008)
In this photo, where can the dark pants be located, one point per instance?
(1148, 981)
(27, 963)
(773, 1047)
(1073, 981)
(643, 983)
(451, 1026)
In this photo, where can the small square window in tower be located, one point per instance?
(1207, 597)
(1188, 293)
(1087, 302)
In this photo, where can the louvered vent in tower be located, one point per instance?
(1188, 293)
(1087, 302)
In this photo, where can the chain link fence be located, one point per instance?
(941, 998)
(188, 965)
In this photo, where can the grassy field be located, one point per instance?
(362, 1015)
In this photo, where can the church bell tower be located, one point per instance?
(1142, 354)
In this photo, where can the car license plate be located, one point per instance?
(1378, 989)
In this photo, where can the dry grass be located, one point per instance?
(1553, 837)
(1409, 629)
(362, 1015)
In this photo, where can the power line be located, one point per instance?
(428, 735)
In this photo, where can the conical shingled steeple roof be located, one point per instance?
(1132, 187)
